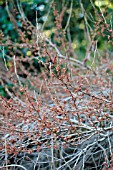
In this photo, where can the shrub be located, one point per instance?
(60, 117)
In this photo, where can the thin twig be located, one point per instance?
(13, 165)
(16, 71)
(67, 24)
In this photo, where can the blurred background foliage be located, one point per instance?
(77, 26)
(82, 20)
